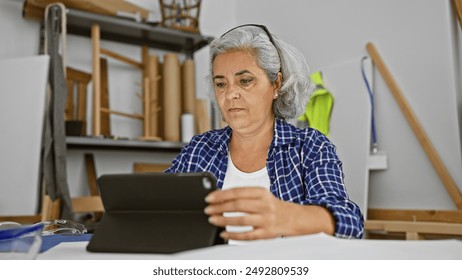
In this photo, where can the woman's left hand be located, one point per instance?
(265, 213)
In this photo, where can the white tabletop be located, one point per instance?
(309, 247)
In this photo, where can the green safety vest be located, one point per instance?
(319, 107)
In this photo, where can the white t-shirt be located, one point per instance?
(235, 178)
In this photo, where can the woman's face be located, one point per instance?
(243, 91)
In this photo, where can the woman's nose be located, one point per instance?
(232, 92)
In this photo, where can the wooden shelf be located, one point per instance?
(76, 142)
(130, 32)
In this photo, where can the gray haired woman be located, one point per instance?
(274, 179)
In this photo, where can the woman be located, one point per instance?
(287, 181)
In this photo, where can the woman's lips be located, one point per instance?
(235, 110)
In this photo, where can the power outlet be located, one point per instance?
(378, 161)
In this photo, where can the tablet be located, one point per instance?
(154, 213)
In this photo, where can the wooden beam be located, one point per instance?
(24, 220)
(74, 74)
(96, 77)
(414, 227)
(419, 132)
(414, 236)
(104, 92)
(91, 174)
(83, 204)
(93, 186)
(445, 216)
(146, 106)
(69, 110)
(140, 167)
(458, 9)
(133, 116)
(152, 71)
(82, 105)
(121, 58)
(51, 210)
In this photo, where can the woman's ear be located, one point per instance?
(277, 85)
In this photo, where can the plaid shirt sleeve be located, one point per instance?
(324, 186)
(304, 168)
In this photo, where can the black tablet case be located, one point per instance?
(154, 213)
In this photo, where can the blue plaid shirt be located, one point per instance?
(302, 165)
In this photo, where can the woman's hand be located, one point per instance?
(265, 213)
(269, 216)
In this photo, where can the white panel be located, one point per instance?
(350, 124)
(22, 106)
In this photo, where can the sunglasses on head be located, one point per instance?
(264, 29)
(256, 25)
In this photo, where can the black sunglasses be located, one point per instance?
(256, 25)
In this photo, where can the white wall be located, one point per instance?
(417, 39)
(19, 37)
(414, 38)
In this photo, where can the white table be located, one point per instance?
(309, 247)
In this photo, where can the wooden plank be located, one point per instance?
(31, 11)
(24, 220)
(82, 101)
(446, 216)
(90, 204)
(106, 7)
(95, 39)
(146, 102)
(438, 165)
(160, 100)
(91, 174)
(51, 210)
(70, 101)
(128, 115)
(78, 111)
(139, 167)
(153, 74)
(145, 62)
(416, 227)
(458, 9)
(84, 204)
(82, 105)
(77, 75)
(414, 236)
(121, 58)
(104, 85)
(146, 94)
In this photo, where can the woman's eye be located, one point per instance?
(219, 84)
(246, 81)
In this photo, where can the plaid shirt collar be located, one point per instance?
(283, 134)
